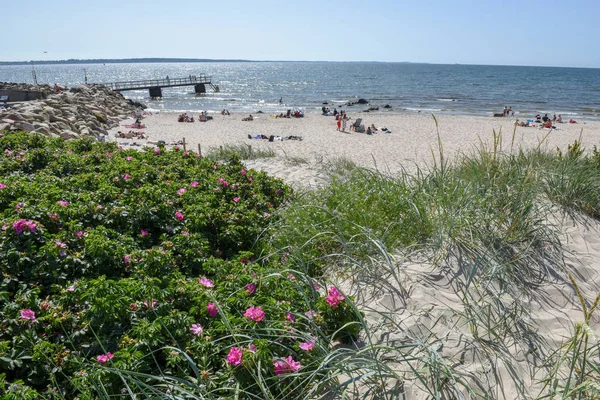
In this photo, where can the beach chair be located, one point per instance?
(356, 124)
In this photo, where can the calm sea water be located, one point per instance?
(408, 88)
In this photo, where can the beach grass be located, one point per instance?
(243, 151)
(482, 221)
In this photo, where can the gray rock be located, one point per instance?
(26, 126)
(67, 134)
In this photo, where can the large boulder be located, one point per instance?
(100, 116)
(362, 101)
(25, 126)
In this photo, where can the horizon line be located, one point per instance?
(201, 60)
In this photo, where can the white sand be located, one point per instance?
(411, 142)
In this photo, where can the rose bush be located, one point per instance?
(152, 273)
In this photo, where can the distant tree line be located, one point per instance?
(117, 61)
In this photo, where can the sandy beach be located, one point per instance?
(412, 142)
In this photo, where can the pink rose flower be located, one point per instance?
(144, 233)
(334, 297)
(28, 314)
(194, 184)
(204, 281)
(236, 199)
(129, 158)
(235, 356)
(243, 172)
(24, 225)
(126, 176)
(252, 347)
(181, 191)
(290, 317)
(150, 305)
(179, 216)
(250, 288)
(62, 203)
(286, 366)
(2, 185)
(126, 259)
(196, 329)
(79, 234)
(255, 314)
(103, 358)
(212, 309)
(308, 345)
(71, 288)
(156, 150)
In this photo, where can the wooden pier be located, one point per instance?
(155, 86)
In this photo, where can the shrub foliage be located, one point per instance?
(141, 261)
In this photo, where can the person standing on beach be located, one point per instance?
(344, 121)
(339, 122)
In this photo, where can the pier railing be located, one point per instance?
(161, 83)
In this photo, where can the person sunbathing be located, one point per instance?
(249, 118)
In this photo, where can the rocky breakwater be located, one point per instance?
(85, 110)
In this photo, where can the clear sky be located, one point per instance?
(499, 32)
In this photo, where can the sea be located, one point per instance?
(250, 87)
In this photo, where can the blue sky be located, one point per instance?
(498, 32)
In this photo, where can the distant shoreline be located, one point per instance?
(164, 60)
(118, 61)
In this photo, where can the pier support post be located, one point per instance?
(200, 88)
(155, 92)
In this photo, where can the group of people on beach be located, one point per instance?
(342, 123)
(544, 122)
(130, 135)
(187, 117)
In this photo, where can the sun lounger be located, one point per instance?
(356, 124)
